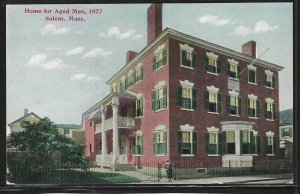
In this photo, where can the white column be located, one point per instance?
(103, 136)
(237, 142)
(115, 107)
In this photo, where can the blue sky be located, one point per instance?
(59, 69)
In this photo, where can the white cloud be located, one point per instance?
(97, 52)
(55, 64)
(213, 20)
(78, 77)
(92, 78)
(263, 26)
(259, 27)
(75, 51)
(115, 32)
(137, 36)
(37, 60)
(51, 29)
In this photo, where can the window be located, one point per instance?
(138, 144)
(187, 97)
(269, 79)
(234, 70)
(230, 142)
(160, 59)
(188, 58)
(270, 144)
(212, 102)
(122, 85)
(234, 105)
(90, 147)
(91, 123)
(123, 146)
(139, 107)
(270, 111)
(212, 65)
(160, 142)
(253, 108)
(139, 74)
(187, 142)
(212, 143)
(286, 132)
(131, 80)
(159, 98)
(250, 142)
(252, 76)
(66, 131)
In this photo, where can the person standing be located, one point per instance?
(169, 170)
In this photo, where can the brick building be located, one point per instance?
(182, 98)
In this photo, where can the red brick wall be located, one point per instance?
(89, 135)
(249, 48)
(154, 21)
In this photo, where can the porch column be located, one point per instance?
(237, 142)
(115, 107)
(103, 136)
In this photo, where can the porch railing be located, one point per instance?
(122, 122)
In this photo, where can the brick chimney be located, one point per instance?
(25, 111)
(249, 48)
(154, 21)
(130, 55)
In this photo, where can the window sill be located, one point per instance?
(215, 113)
(234, 115)
(137, 155)
(160, 110)
(269, 87)
(253, 117)
(192, 110)
(269, 119)
(252, 83)
(160, 155)
(139, 117)
(187, 155)
(235, 79)
(159, 68)
(212, 73)
(270, 154)
(213, 155)
(186, 67)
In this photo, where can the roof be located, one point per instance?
(170, 33)
(22, 118)
(68, 126)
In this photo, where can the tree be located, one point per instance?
(42, 140)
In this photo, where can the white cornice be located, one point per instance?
(251, 67)
(187, 127)
(269, 134)
(212, 129)
(186, 83)
(139, 95)
(268, 72)
(186, 47)
(212, 55)
(139, 65)
(252, 97)
(161, 47)
(212, 89)
(159, 85)
(233, 61)
(269, 100)
(160, 128)
(233, 93)
(139, 132)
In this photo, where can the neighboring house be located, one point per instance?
(182, 98)
(19, 125)
(286, 132)
(72, 131)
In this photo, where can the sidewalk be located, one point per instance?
(253, 179)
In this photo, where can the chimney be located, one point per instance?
(25, 111)
(249, 48)
(154, 21)
(130, 55)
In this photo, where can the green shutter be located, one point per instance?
(273, 81)
(248, 106)
(257, 108)
(165, 140)
(194, 142)
(205, 63)
(265, 109)
(154, 101)
(228, 104)
(266, 145)
(179, 96)
(142, 106)
(241, 142)
(179, 142)
(218, 66)
(154, 63)
(252, 145)
(275, 145)
(133, 145)
(220, 143)
(239, 71)
(207, 142)
(258, 144)
(142, 73)
(126, 83)
(274, 111)
(183, 57)
(194, 60)
(206, 101)
(155, 142)
(240, 105)
(164, 59)
(265, 79)
(224, 143)
(228, 69)
(165, 96)
(142, 147)
(194, 95)
(219, 107)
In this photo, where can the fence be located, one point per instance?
(57, 173)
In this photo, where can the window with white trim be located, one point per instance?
(212, 64)
(139, 74)
(270, 144)
(234, 105)
(160, 59)
(187, 142)
(270, 110)
(160, 142)
(250, 142)
(230, 142)
(186, 95)
(269, 79)
(252, 76)
(212, 140)
(159, 98)
(253, 107)
(188, 56)
(234, 70)
(212, 102)
(138, 144)
(139, 106)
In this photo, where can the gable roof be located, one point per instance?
(22, 118)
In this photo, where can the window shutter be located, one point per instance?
(266, 145)
(205, 63)
(206, 101)
(155, 142)
(179, 142)
(218, 66)
(265, 109)
(183, 57)
(239, 71)
(274, 145)
(133, 147)
(194, 60)
(142, 107)
(142, 73)
(220, 151)
(154, 100)
(164, 59)
(207, 142)
(265, 79)
(257, 108)
(194, 95)
(248, 106)
(165, 142)
(258, 144)
(154, 63)
(252, 145)
(126, 83)
(224, 143)
(240, 105)
(228, 104)
(228, 69)
(273, 81)
(274, 111)
(241, 142)
(165, 96)
(194, 142)
(179, 96)
(219, 106)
